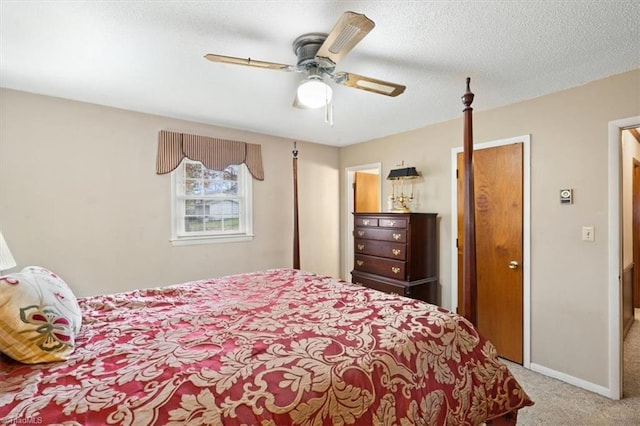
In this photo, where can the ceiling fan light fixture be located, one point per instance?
(314, 93)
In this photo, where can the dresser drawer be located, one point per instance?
(392, 223)
(394, 235)
(380, 266)
(377, 285)
(381, 248)
(366, 221)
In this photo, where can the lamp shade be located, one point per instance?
(314, 93)
(6, 259)
(404, 173)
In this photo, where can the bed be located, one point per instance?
(274, 347)
(267, 348)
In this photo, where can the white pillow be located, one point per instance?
(39, 316)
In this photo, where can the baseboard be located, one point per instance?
(591, 387)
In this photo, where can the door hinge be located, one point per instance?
(457, 243)
(457, 177)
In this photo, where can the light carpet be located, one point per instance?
(558, 403)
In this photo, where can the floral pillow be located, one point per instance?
(39, 316)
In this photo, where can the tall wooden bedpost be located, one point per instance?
(296, 233)
(469, 282)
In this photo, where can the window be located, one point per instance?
(211, 206)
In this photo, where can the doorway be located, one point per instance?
(630, 256)
(614, 203)
(522, 269)
(350, 194)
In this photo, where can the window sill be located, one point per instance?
(189, 241)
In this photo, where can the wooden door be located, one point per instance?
(499, 220)
(366, 193)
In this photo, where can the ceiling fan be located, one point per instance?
(318, 54)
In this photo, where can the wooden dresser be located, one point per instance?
(397, 253)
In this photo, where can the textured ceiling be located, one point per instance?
(148, 56)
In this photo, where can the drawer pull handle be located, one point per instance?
(395, 252)
(395, 269)
(360, 262)
(365, 222)
(396, 236)
(360, 233)
(360, 246)
(392, 223)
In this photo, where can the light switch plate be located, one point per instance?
(588, 233)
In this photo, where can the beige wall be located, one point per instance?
(79, 195)
(630, 151)
(569, 282)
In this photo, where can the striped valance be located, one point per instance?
(214, 153)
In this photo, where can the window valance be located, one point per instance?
(214, 153)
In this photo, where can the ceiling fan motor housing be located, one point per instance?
(306, 47)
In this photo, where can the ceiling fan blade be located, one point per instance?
(369, 84)
(348, 31)
(250, 62)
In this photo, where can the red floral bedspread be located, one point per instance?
(269, 348)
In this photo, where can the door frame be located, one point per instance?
(526, 234)
(350, 177)
(616, 353)
(635, 230)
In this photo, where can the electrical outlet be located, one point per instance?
(588, 233)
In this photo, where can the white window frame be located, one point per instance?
(245, 187)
